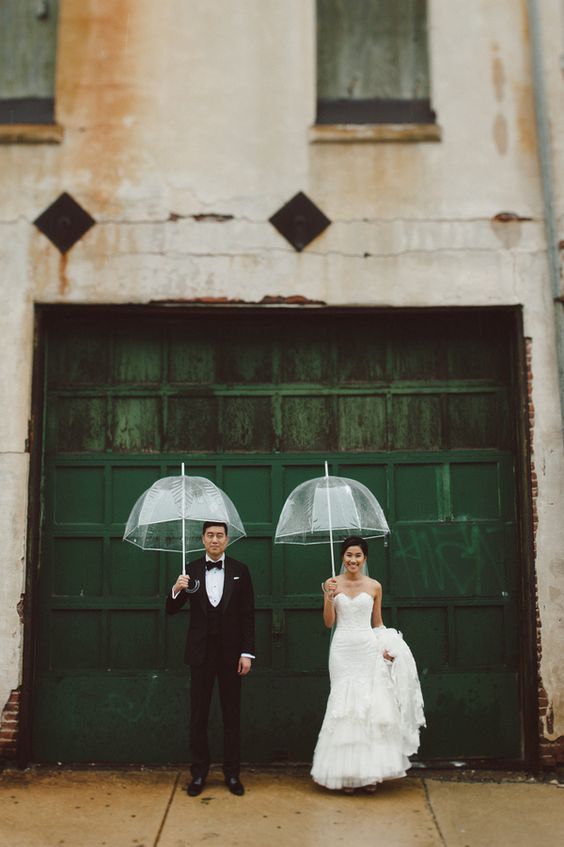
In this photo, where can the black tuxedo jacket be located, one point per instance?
(237, 608)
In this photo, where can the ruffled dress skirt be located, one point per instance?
(363, 738)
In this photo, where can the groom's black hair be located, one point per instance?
(354, 541)
(214, 523)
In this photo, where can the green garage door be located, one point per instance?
(418, 407)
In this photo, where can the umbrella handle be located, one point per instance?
(193, 590)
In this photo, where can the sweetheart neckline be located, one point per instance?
(343, 594)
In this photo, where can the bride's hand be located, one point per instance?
(388, 656)
(331, 586)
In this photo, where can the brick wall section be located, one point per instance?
(551, 752)
(9, 726)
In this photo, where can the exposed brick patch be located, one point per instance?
(509, 217)
(551, 752)
(531, 415)
(9, 726)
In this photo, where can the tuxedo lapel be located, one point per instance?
(228, 584)
(199, 569)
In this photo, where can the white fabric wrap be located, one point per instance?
(405, 681)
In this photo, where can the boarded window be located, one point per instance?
(28, 43)
(372, 62)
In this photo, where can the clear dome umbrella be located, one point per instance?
(329, 509)
(170, 515)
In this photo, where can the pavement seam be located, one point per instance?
(432, 812)
(166, 811)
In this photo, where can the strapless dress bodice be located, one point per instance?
(354, 612)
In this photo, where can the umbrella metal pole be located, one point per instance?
(330, 521)
(183, 531)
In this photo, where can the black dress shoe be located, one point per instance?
(235, 786)
(196, 786)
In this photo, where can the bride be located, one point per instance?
(375, 708)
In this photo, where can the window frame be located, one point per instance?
(373, 119)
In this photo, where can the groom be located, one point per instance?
(219, 644)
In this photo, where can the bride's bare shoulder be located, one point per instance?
(375, 585)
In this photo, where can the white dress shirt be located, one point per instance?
(215, 580)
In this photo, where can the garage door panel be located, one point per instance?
(78, 565)
(418, 492)
(257, 553)
(251, 489)
(192, 423)
(137, 357)
(306, 640)
(263, 640)
(426, 630)
(362, 423)
(416, 422)
(246, 355)
(133, 718)
(79, 495)
(477, 421)
(175, 629)
(477, 349)
(306, 359)
(126, 481)
(301, 699)
(246, 424)
(75, 639)
(374, 474)
(306, 566)
(361, 358)
(476, 644)
(307, 424)
(486, 722)
(378, 564)
(80, 357)
(136, 424)
(295, 474)
(416, 352)
(134, 638)
(475, 488)
(191, 355)
(80, 424)
(132, 571)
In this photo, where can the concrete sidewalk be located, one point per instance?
(149, 808)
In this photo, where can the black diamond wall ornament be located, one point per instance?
(300, 221)
(64, 222)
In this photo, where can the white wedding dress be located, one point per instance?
(375, 707)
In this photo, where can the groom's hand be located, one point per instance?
(244, 666)
(181, 583)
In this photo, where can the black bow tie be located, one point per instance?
(211, 565)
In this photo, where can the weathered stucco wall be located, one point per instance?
(186, 128)
(547, 442)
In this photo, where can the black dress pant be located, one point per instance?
(202, 681)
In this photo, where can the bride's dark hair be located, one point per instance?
(354, 541)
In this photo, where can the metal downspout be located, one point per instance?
(545, 163)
